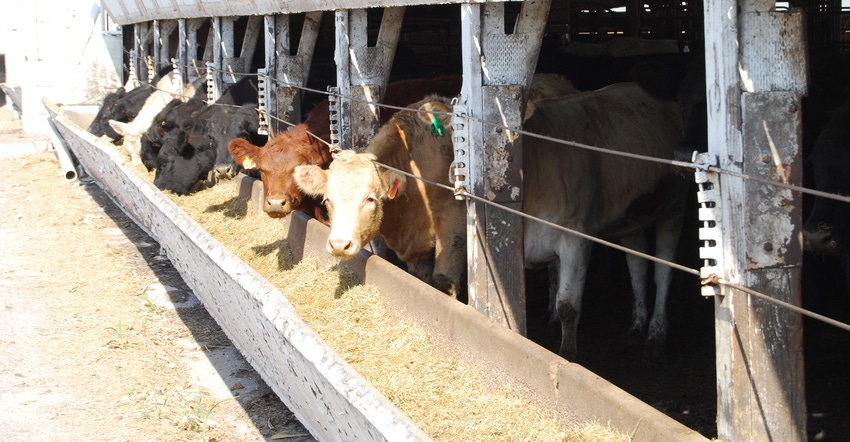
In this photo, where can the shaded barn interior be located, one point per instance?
(577, 35)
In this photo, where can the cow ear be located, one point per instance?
(244, 153)
(312, 180)
(529, 110)
(394, 184)
(436, 116)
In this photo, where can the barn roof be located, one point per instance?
(126, 12)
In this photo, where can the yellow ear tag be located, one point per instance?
(248, 163)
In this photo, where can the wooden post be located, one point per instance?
(183, 50)
(755, 66)
(497, 71)
(291, 70)
(366, 70)
(193, 63)
(230, 63)
(214, 63)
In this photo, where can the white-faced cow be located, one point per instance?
(419, 223)
(599, 194)
(165, 91)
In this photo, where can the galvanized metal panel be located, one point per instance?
(126, 12)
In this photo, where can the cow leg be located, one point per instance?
(638, 268)
(573, 257)
(667, 234)
(449, 265)
(423, 270)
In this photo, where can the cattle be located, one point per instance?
(177, 112)
(184, 159)
(165, 91)
(598, 194)
(279, 158)
(419, 223)
(122, 105)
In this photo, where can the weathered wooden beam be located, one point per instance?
(755, 77)
(369, 70)
(291, 70)
(498, 69)
(230, 61)
(214, 65)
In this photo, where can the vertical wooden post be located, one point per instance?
(292, 70)
(755, 75)
(498, 69)
(367, 70)
(230, 63)
(182, 50)
(157, 44)
(192, 62)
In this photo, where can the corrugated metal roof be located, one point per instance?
(126, 12)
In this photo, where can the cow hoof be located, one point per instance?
(654, 353)
(634, 338)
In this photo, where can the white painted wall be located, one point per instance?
(58, 49)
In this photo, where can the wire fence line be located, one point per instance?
(464, 193)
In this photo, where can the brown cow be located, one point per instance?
(418, 222)
(296, 146)
(599, 194)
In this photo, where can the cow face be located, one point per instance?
(230, 123)
(106, 109)
(276, 163)
(355, 190)
(185, 158)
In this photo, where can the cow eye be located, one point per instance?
(371, 198)
(327, 203)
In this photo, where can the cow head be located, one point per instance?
(354, 190)
(99, 124)
(276, 163)
(186, 157)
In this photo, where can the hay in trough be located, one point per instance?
(445, 397)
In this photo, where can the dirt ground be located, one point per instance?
(100, 339)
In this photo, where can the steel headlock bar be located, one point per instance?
(263, 100)
(132, 79)
(211, 98)
(710, 232)
(335, 117)
(151, 64)
(460, 137)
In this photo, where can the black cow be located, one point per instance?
(123, 106)
(169, 119)
(200, 147)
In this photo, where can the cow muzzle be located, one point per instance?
(822, 238)
(277, 208)
(342, 248)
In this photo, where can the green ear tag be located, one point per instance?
(436, 127)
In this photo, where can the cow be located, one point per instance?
(825, 229)
(598, 194)
(122, 105)
(419, 223)
(306, 142)
(165, 91)
(173, 116)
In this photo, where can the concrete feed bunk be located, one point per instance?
(332, 400)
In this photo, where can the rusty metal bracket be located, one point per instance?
(459, 170)
(263, 100)
(710, 217)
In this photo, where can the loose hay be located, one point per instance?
(444, 397)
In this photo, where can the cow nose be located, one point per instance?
(276, 206)
(339, 244)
